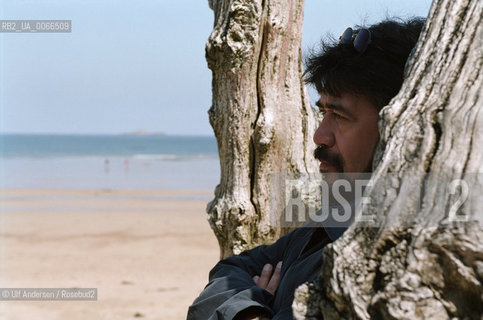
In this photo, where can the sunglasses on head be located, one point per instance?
(360, 40)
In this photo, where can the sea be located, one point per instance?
(160, 162)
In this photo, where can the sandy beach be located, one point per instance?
(148, 253)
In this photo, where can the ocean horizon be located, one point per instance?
(123, 161)
(106, 145)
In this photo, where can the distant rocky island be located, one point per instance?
(143, 133)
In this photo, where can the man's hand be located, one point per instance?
(267, 280)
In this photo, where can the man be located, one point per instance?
(356, 77)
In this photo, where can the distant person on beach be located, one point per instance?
(355, 77)
(106, 165)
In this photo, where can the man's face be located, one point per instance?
(348, 134)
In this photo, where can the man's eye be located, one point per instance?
(322, 112)
(338, 116)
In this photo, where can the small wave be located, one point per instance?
(161, 157)
(172, 157)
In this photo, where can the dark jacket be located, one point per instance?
(231, 289)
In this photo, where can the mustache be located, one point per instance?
(321, 153)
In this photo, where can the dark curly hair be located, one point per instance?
(377, 72)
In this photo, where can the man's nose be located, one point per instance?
(324, 135)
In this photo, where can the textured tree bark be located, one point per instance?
(417, 264)
(261, 114)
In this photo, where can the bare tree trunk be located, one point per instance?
(417, 264)
(261, 114)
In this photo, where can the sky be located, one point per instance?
(134, 65)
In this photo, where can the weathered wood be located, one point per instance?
(261, 114)
(415, 264)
